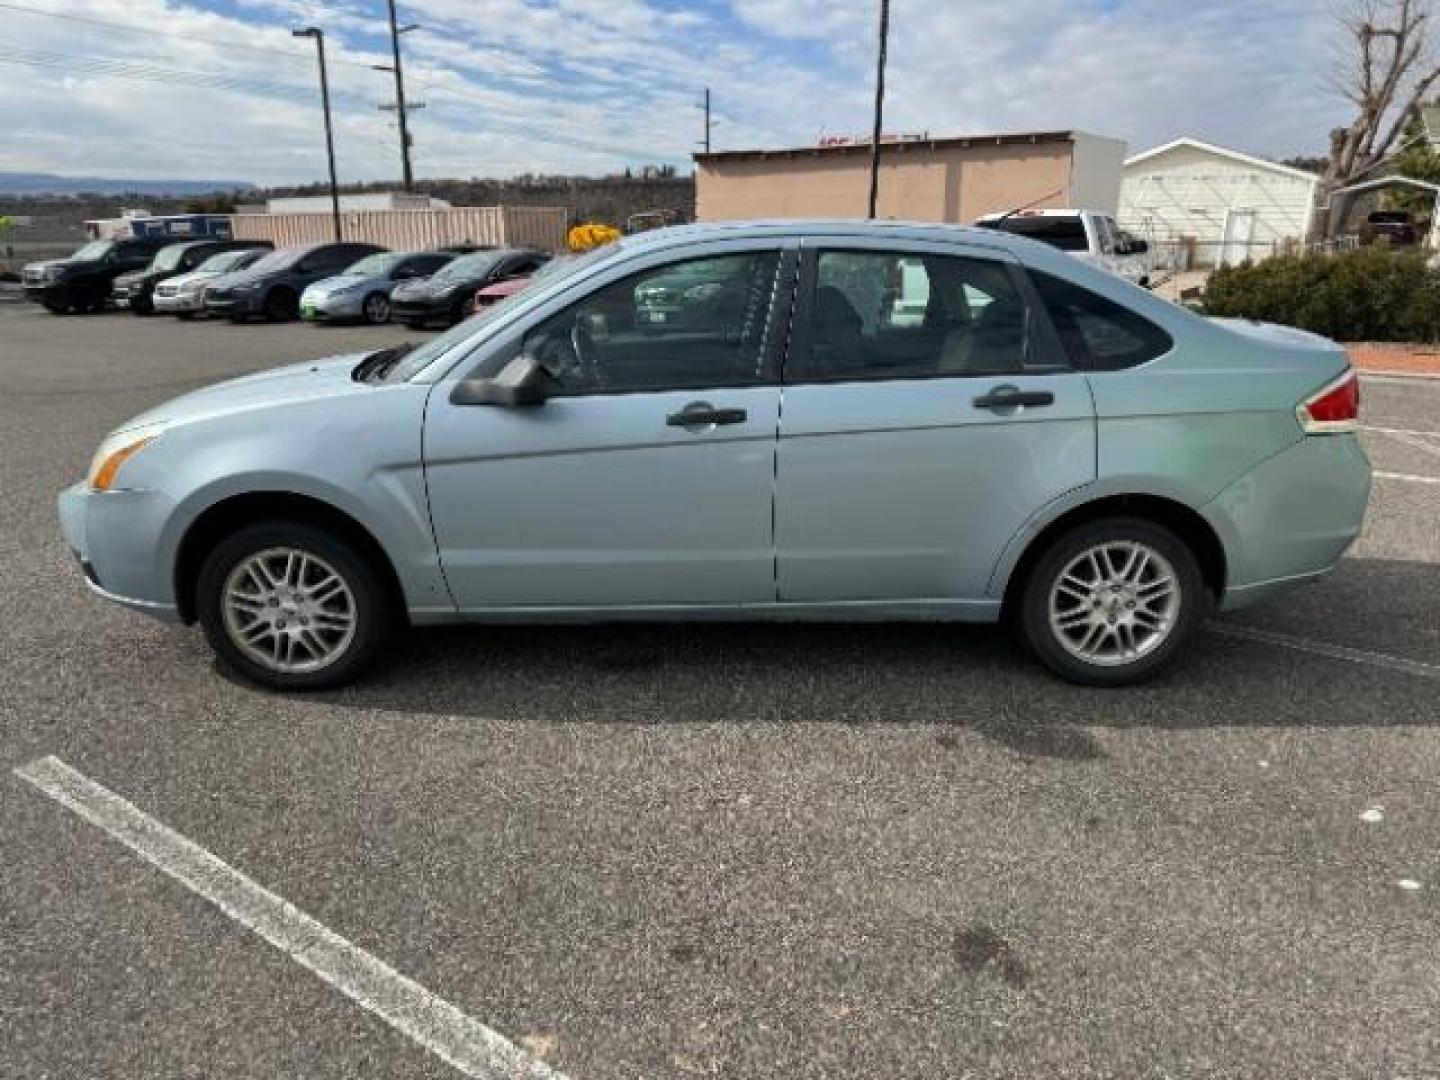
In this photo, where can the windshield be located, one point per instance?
(276, 260)
(96, 249)
(374, 265)
(420, 358)
(468, 265)
(1065, 233)
(167, 258)
(229, 260)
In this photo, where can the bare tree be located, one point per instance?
(1388, 65)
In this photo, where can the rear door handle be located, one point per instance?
(1012, 397)
(701, 414)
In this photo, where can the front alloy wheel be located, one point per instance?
(291, 606)
(1111, 602)
(376, 309)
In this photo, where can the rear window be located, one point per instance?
(1098, 333)
(1065, 233)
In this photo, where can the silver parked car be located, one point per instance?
(362, 292)
(829, 421)
(184, 295)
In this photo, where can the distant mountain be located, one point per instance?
(18, 183)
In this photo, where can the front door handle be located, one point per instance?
(702, 414)
(1012, 397)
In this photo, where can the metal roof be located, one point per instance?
(896, 146)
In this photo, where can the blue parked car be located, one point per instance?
(832, 421)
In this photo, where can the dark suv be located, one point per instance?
(136, 290)
(82, 281)
(272, 286)
(1398, 228)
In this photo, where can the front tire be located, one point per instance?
(376, 309)
(1112, 602)
(281, 305)
(291, 606)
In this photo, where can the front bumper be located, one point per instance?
(193, 301)
(114, 535)
(333, 307)
(246, 303)
(421, 307)
(48, 293)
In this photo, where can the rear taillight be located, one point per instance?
(1335, 408)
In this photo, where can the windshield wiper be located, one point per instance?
(378, 364)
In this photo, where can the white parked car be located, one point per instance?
(1090, 236)
(183, 296)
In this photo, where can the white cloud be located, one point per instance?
(587, 85)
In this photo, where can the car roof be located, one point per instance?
(820, 228)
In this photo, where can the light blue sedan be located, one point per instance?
(829, 421)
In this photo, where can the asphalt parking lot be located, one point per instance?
(875, 851)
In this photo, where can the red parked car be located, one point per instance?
(493, 294)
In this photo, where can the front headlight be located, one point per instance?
(118, 449)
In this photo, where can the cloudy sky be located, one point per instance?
(218, 89)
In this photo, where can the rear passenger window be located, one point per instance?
(1099, 334)
(911, 315)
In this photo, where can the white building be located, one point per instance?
(375, 200)
(1212, 205)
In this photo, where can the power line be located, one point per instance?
(122, 69)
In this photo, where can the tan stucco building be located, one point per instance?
(951, 179)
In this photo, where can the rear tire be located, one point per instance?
(184, 316)
(1112, 602)
(292, 607)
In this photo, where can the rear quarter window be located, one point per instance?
(1098, 333)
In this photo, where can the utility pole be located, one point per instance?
(400, 109)
(879, 106)
(709, 124)
(319, 36)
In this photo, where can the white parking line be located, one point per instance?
(1327, 649)
(405, 1005)
(1410, 439)
(1401, 431)
(1409, 477)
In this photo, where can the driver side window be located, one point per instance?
(687, 325)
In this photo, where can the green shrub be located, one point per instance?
(1373, 294)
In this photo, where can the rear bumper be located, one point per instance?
(114, 535)
(1291, 518)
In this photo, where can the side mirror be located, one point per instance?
(404, 273)
(523, 383)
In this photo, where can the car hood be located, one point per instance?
(338, 283)
(1275, 334)
(419, 288)
(194, 277)
(280, 386)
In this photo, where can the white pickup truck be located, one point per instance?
(1086, 234)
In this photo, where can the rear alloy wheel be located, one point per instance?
(292, 607)
(1112, 602)
(376, 309)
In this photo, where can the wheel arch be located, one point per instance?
(221, 518)
(1185, 522)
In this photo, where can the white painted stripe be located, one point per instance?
(1399, 377)
(1412, 440)
(1332, 651)
(1409, 477)
(1401, 431)
(405, 1005)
